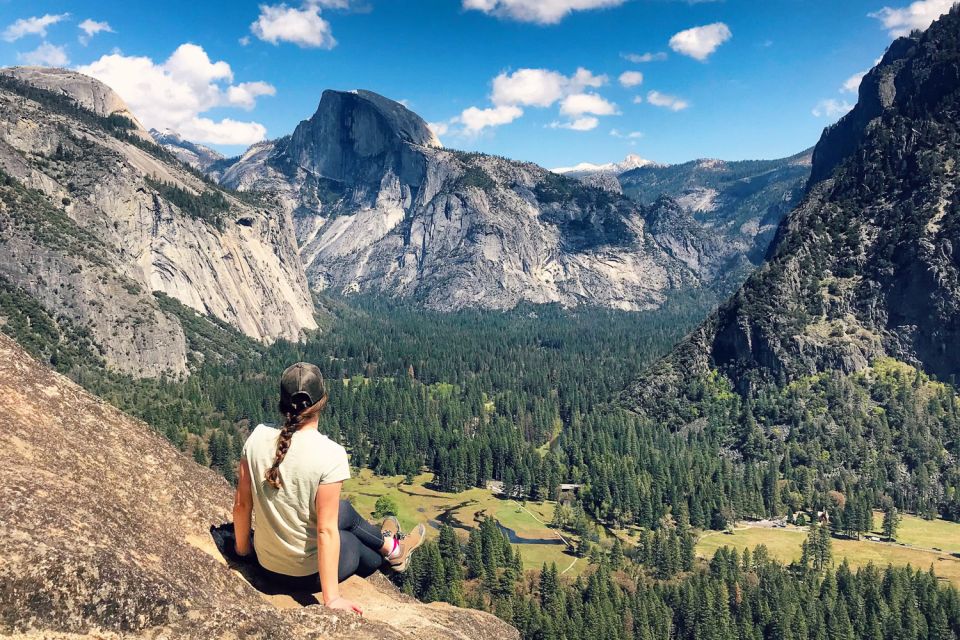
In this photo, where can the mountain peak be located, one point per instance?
(357, 136)
(632, 161)
(88, 92)
(196, 155)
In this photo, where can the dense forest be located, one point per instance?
(734, 595)
(531, 397)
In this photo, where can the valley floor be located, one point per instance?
(538, 543)
(919, 543)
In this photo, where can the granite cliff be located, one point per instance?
(110, 536)
(96, 220)
(380, 207)
(867, 265)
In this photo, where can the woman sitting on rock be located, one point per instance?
(292, 479)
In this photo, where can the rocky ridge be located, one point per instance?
(95, 219)
(379, 207)
(867, 265)
(110, 537)
(195, 155)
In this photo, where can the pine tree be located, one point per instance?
(891, 521)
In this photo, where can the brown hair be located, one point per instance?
(294, 418)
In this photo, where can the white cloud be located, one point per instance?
(586, 123)
(700, 42)
(538, 11)
(303, 27)
(529, 87)
(658, 99)
(35, 26)
(631, 78)
(46, 55)
(541, 87)
(579, 104)
(917, 15)
(630, 135)
(852, 84)
(245, 94)
(584, 78)
(91, 28)
(475, 120)
(830, 108)
(640, 58)
(439, 128)
(175, 94)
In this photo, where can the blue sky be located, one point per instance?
(741, 80)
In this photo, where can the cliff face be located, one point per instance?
(95, 218)
(104, 532)
(737, 204)
(867, 265)
(379, 207)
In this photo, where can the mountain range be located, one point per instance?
(129, 227)
(380, 207)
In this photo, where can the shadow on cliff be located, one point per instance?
(225, 539)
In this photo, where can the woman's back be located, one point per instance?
(286, 540)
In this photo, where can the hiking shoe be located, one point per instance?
(408, 544)
(390, 527)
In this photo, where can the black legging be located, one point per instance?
(360, 544)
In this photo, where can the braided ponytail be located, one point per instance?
(299, 415)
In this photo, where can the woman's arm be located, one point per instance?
(242, 508)
(328, 546)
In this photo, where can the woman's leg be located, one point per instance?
(356, 558)
(353, 522)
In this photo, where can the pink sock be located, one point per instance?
(396, 550)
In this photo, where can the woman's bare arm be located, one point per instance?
(328, 546)
(242, 508)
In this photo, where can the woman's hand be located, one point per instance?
(345, 605)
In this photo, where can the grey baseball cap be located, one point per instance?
(301, 386)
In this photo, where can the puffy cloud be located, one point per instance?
(91, 28)
(175, 94)
(637, 99)
(46, 55)
(673, 103)
(475, 120)
(640, 58)
(529, 87)
(439, 128)
(631, 78)
(541, 87)
(586, 123)
(584, 78)
(579, 104)
(245, 94)
(537, 11)
(917, 15)
(831, 108)
(303, 27)
(852, 84)
(700, 42)
(35, 26)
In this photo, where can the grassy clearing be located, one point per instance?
(418, 503)
(928, 534)
(784, 544)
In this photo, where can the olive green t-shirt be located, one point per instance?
(286, 518)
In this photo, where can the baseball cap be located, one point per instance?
(301, 386)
